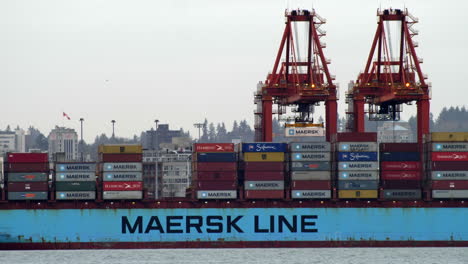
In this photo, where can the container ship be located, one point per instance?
(347, 190)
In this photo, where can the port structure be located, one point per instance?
(392, 76)
(298, 82)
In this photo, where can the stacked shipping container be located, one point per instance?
(264, 170)
(214, 169)
(27, 176)
(75, 181)
(400, 171)
(310, 170)
(121, 171)
(357, 165)
(448, 155)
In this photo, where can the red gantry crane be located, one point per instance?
(295, 81)
(392, 75)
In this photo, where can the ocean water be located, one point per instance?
(243, 256)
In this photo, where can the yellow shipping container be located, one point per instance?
(123, 149)
(449, 136)
(264, 156)
(356, 194)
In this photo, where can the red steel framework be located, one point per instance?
(304, 83)
(389, 81)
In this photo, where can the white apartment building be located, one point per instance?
(63, 140)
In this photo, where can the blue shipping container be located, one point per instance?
(264, 147)
(400, 156)
(216, 157)
(357, 156)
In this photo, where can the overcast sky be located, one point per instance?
(182, 61)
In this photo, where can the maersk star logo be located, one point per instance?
(291, 132)
(109, 167)
(439, 175)
(438, 146)
(298, 147)
(62, 167)
(298, 194)
(109, 176)
(62, 195)
(344, 147)
(62, 176)
(203, 194)
(251, 185)
(298, 156)
(345, 165)
(344, 174)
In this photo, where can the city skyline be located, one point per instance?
(116, 60)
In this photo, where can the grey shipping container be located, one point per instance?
(123, 176)
(311, 175)
(358, 166)
(402, 194)
(264, 185)
(228, 194)
(81, 195)
(310, 166)
(358, 185)
(358, 175)
(310, 147)
(75, 176)
(27, 195)
(450, 146)
(75, 186)
(448, 194)
(122, 166)
(449, 175)
(357, 146)
(26, 177)
(76, 167)
(123, 195)
(311, 194)
(311, 156)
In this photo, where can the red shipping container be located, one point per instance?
(214, 166)
(395, 184)
(450, 185)
(401, 175)
(311, 185)
(399, 147)
(27, 167)
(216, 185)
(449, 165)
(356, 137)
(16, 157)
(213, 147)
(400, 165)
(264, 194)
(215, 175)
(28, 186)
(264, 175)
(123, 186)
(106, 157)
(264, 166)
(449, 156)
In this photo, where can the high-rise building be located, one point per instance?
(162, 135)
(63, 143)
(20, 140)
(7, 142)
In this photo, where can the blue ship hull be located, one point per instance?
(232, 227)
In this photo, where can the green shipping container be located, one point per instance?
(75, 186)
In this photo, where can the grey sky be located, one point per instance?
(181, 61)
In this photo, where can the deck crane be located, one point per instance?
(392, 76)
(298, 82)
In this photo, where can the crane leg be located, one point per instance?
(267, 120)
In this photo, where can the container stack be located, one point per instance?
(27, 176)
(75, 181)
(358, 167)
(310, 170)
(449, 163)
(264, 165)
(122, 171)
(400, 171)
(214, 173)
